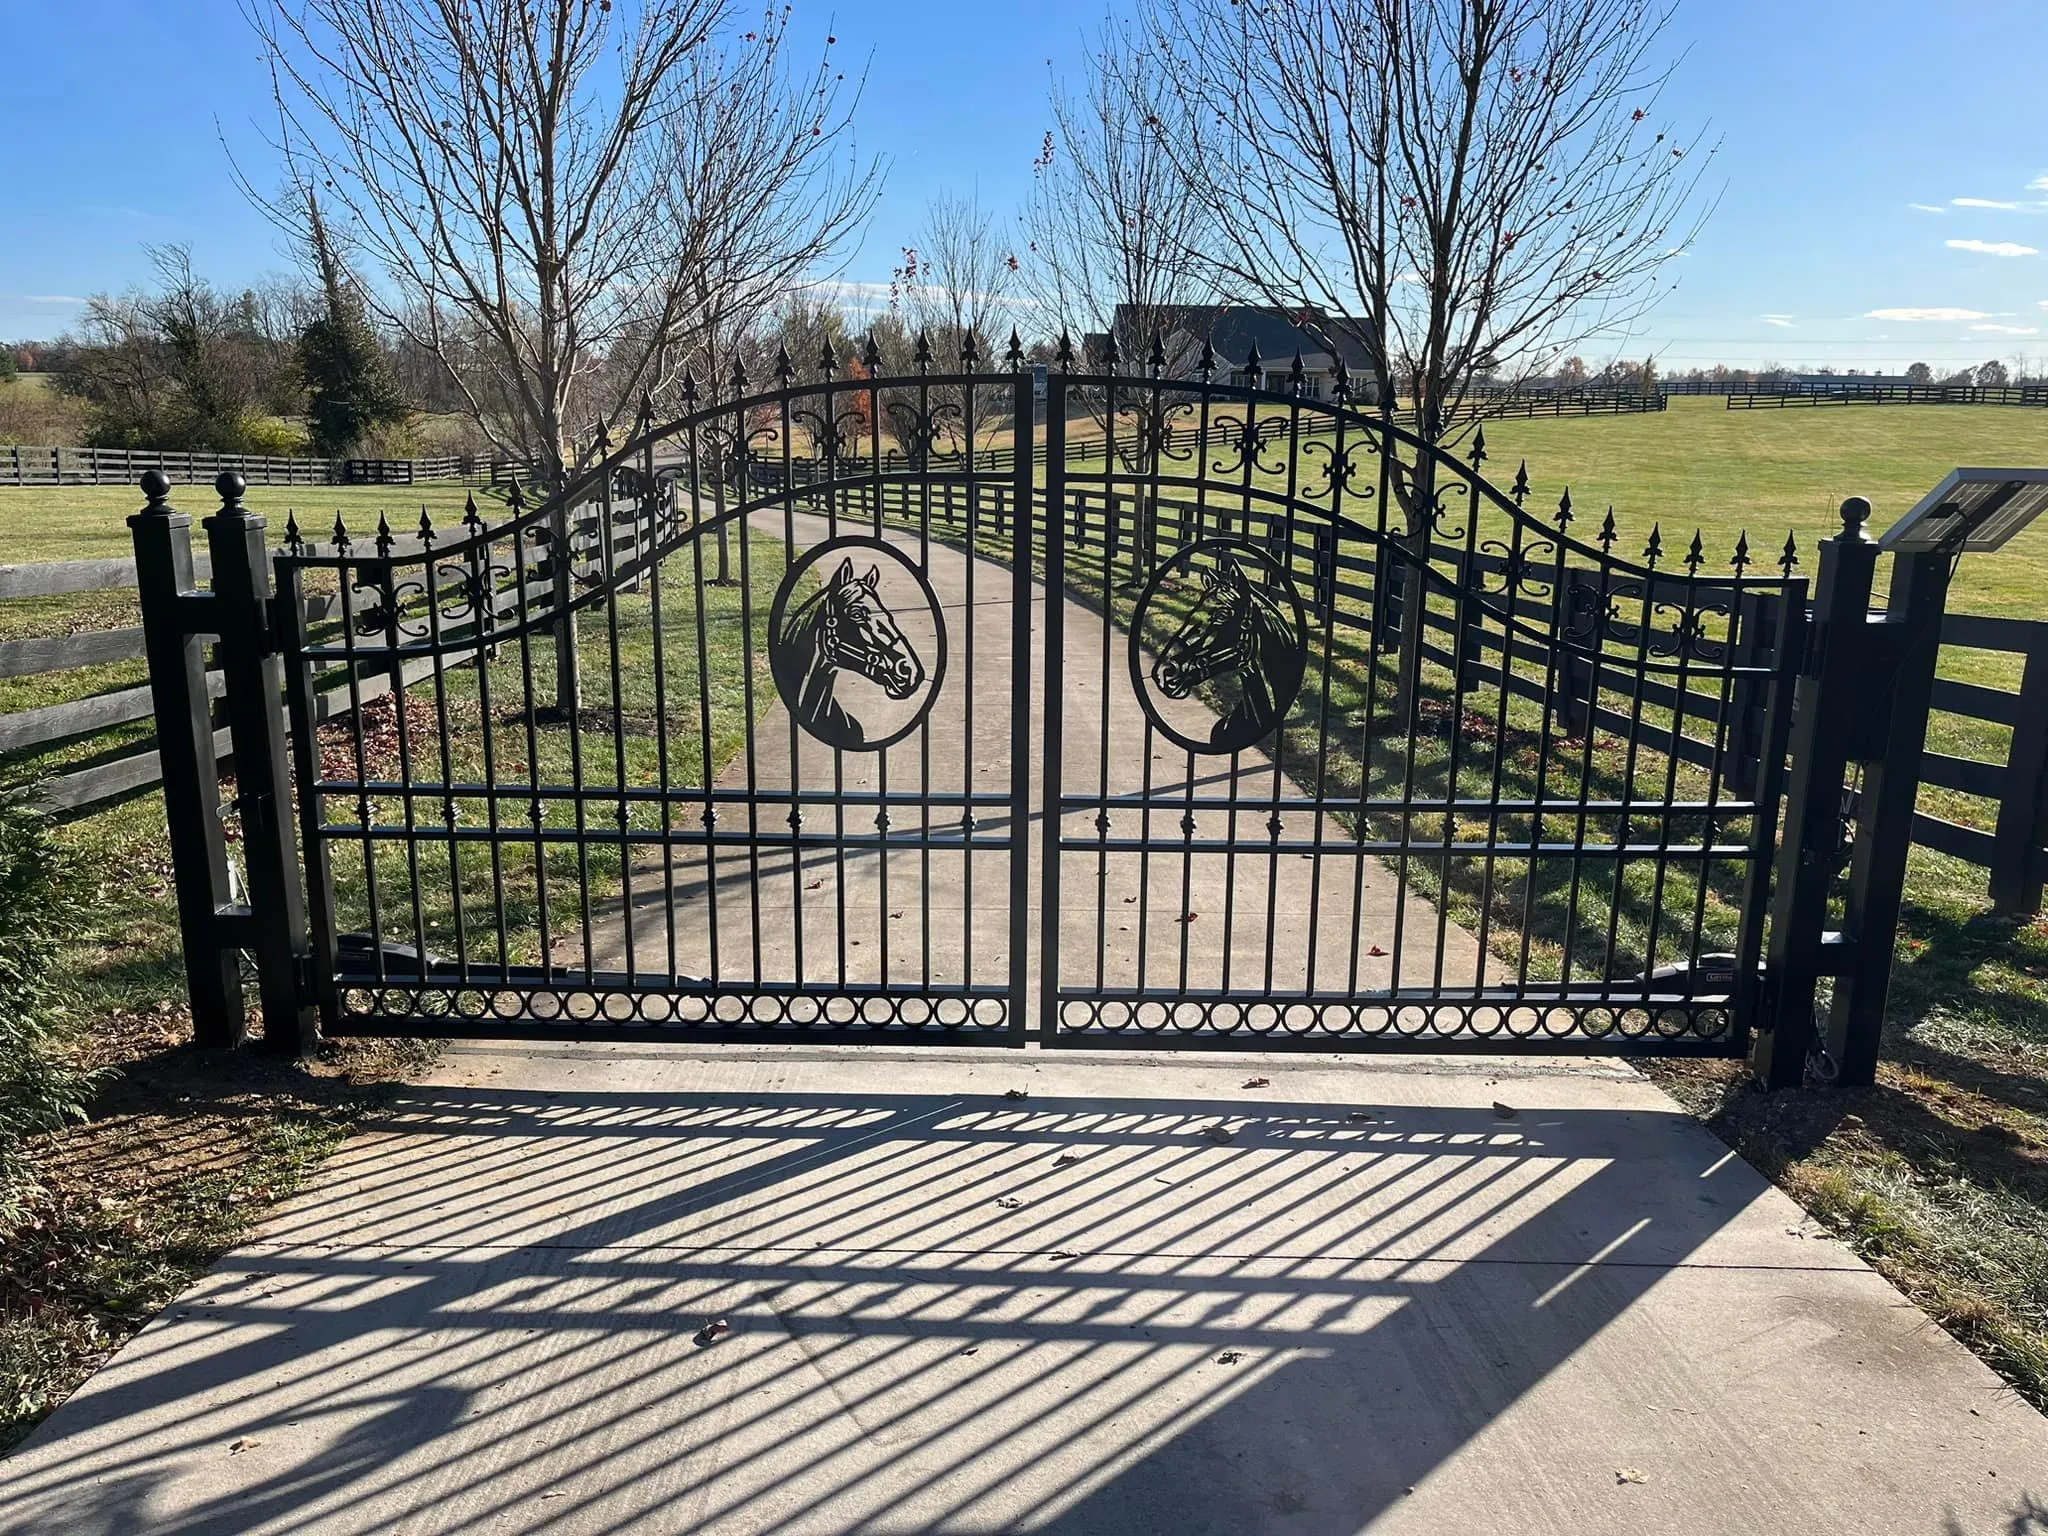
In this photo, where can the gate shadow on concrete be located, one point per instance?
(946, 1313)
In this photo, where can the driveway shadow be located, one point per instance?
(603, 1311)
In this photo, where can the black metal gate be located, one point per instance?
(711, 743)
(1351, 750)
(732, 736)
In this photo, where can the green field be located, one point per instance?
(1700, 465)
(84, 522)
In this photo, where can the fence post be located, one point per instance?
(191, 772)
(1897, 699)
(1834, 687)
(2023, 809)
(254, 676)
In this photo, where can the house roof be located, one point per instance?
(1233, 329)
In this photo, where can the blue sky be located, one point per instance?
(1863, 143)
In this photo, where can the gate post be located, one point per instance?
(1834, 686)
(176, 653)
(1909, 648)
(242, 598)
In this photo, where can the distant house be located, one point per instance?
(1232, 330)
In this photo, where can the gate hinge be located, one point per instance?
(305, 981)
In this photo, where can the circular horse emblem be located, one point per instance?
(859, 658)
(1227, 643)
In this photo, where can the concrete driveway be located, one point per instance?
(1148, 1297)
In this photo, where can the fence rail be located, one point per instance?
(2014, 851)
(1852, 393)
(31, 465)
(81, 722)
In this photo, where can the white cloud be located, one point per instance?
(1981, 202)
(2038, 184)
(1929, 313)
(1783, 322)
(1927, 208)
(2009, 330)
(1993, 247)
(50, 298)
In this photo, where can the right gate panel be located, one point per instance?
(1350, 751)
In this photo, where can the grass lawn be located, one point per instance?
(86, 522)
(1700, 465)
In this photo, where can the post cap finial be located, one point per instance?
(156, 485)
(1855, 513)
(230, 485)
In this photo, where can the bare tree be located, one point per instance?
(564, 197)
(1471, 186)
(1111, 226)
(956, 290)
(1111, 229)
(765, 188)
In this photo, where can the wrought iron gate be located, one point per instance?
(732, 736)
(695, 746)
(1351, 750)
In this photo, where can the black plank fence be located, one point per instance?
(118, 764)
(2013, 793)
(29, 465)
(1853, 392)
(108, 761)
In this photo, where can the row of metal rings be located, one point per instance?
(572, 1007)
(1524, 1021)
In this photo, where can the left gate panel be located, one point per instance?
(713, 743)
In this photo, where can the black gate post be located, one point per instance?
(1898, 699)
(254, 677)
(1833, 688)
(176, 650)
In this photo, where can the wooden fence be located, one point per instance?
(2015, 851)
(117, 768)
(2015, 792)
(1851, 392)
(24, 465)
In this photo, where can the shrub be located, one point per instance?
(43, 902)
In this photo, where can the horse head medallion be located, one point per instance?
(1242, 640)
(824, 647)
